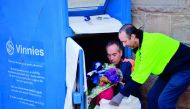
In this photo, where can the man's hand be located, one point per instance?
(116, 100)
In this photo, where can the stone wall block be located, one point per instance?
(158, 23)
(180, 27)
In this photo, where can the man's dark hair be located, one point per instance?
(117, 43)
(130, 29)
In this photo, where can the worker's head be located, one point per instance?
(114, 52)
(129, 36)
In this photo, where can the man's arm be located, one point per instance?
(126, 71)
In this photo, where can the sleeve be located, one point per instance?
(126, 71)
(129, 87)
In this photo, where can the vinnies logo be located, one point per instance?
(10, 47)
(20, 49)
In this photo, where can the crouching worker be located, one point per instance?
(114, 51)
(160, 55)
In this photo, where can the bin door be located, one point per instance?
(75, 75)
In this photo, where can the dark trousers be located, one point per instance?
(165, 92)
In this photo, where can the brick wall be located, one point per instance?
(171, 17)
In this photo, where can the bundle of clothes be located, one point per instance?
(101, 81)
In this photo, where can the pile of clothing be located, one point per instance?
(101, 81)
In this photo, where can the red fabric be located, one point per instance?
(106, 94)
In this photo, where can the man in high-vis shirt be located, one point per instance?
(157, 54)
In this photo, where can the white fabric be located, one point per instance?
(72, 56)
(130, 102)
(96, 24)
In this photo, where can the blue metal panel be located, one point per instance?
(32, 44)
(128, 52)
(120, 9)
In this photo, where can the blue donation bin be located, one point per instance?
(33, 36)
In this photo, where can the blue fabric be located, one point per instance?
(125, 68)
(130, 87)
(165, 92)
